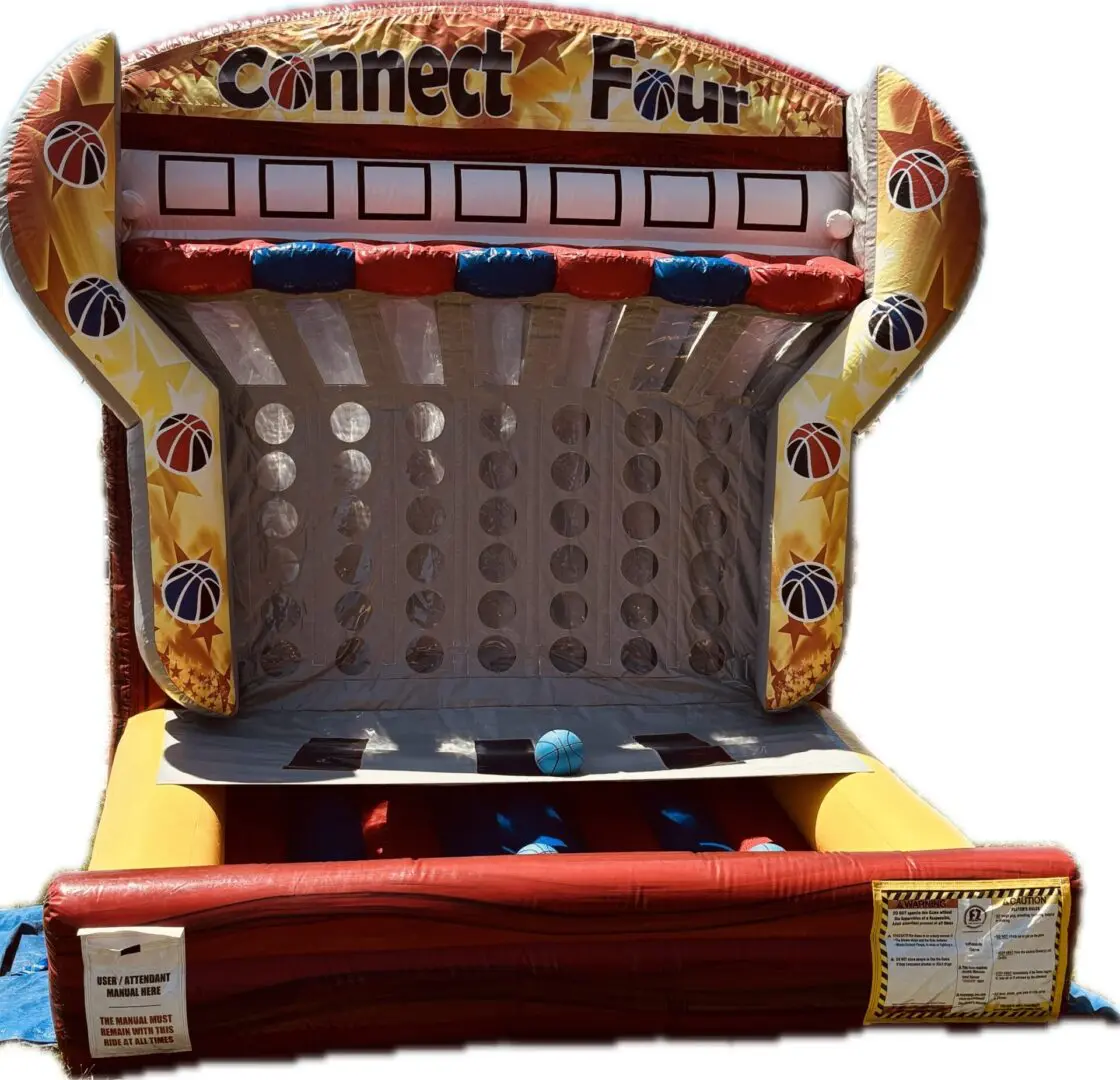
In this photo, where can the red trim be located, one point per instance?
(603, 273)
(806, 286)
(305, 958)
(187, 269)
(205, 134)
(794, 285)
(406, 269)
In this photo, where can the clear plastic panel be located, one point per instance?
(325, 331)
(675, 334)
(757, 344)
(234, 337)
(412, 328)
(581, 343)
(557, 487)
(499, 341)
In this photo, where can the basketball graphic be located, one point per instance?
(654, 94)
(192, 591)
(290, 82)
(897, 322)
(917, 181)
(184, 443)
(95, 307)
(808, 591)
(76, 155)
(813, 450)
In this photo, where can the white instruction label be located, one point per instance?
(136, 995)
(979, 950)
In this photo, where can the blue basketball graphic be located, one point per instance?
(897, 322)
(767, 845)
(537, 848)
(192, 591)
(95, 307)
(654, 94)
(808, 591)
(559, 753)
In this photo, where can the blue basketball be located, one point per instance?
(95, 307)
(808, 591)
(769, 846)
(538, 849)
(192, 591)
(559, 753)
(654, 94)
(897, 322)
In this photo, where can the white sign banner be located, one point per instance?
(135, 983)
(969, 950)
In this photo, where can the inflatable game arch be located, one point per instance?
(481, 389)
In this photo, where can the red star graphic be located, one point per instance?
(818, 558)
(542, 43)
(77, 84)
(796, 630)
(922, 137)
(447, 35)
(207, 631)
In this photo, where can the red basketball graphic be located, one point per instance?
(918, 180)
(813, 450)
(290, 82)
(184, 443)
(76, 154)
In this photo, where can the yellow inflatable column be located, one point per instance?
(145, 825)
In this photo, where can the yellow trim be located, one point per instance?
(145, 825)
(871, 811)
(967, 888)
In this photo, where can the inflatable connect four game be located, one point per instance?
(481, 387)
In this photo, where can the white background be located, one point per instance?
(987, 494)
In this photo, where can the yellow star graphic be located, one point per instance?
(828, 490)
(152, 395)
(172, 485)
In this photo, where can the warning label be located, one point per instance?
(135, 982)
(968, 950)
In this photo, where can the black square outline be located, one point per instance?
(329, 755)
(262, 169)
(742, 223)
(555, 219)
(231, 191)
(505, 757)
(683, 750)
(650, 223)
(364, 215)
(522, 215)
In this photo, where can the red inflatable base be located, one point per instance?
(293, 959)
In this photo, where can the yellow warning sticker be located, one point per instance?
(969, 951)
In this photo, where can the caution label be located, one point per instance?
(969, 951)
(135, 981)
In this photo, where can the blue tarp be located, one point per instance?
(25, 1011)
(1084, 1002)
